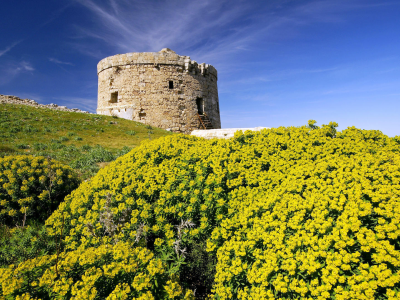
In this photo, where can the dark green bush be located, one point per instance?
(131, 132)
(30, 129)
(63, 139)
(22, 146)
(15, 129)
(39, 146)
(22, 243)
(86, 147)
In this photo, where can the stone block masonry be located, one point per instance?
(161, 89)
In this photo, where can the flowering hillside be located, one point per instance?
(287, 213)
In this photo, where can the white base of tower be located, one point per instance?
(222, 133)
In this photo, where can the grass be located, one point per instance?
(84, 141)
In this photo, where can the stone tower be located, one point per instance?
(161, 89)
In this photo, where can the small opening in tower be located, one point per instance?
(114, 97)
(200, 106)
(171, 85)
(142, 114)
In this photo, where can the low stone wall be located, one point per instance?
(222, 133)
(15, 100)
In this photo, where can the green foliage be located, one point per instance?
(15, 129)
(94, 155)
(30, 129)
(5, 150)
(123, 151)
(39, 146)
(63, 139)
(131, 132)
(20, 244)
(47, 132)
(198, 271)
(22, 146)
(32, 187)
(86, 147)
(56, 145)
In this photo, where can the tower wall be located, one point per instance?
(161, 89)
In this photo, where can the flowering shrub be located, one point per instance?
(144, 196)
(105, 272)
(152, 189)
(32, 186)
(323, 223)
(289, 212)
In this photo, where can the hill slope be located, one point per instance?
(80, 140)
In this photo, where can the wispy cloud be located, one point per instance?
(10, 71)
(57, 61)
(208, 30)
(87, 50)
(24, 66)
(7, 49)
(144, 26)
(88, 104)
(54, 15)
(277, 75)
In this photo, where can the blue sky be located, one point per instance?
(280, 63)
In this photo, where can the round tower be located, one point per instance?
(161, 89)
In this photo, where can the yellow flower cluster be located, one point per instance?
(290, 213)
(153, 188)
(32, 186)
(105, 272)
(322, 220)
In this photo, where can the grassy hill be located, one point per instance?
(84, 141)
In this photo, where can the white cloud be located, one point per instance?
(179, 25)
(88, 104)
(24, 66)
(57, 61)
(208, 30)
(7, 49)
